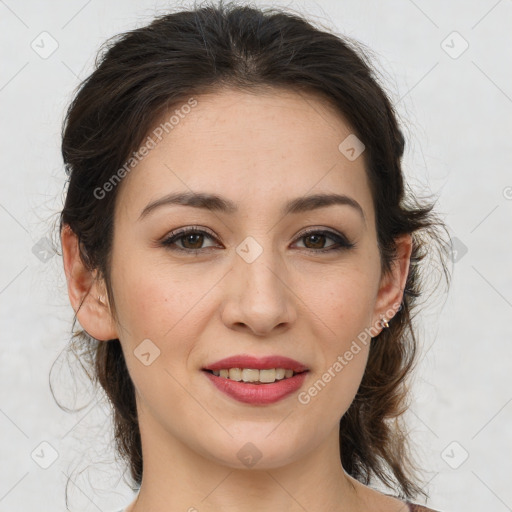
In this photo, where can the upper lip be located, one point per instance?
(257, 363)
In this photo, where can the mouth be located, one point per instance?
(259, 388)
(256, 380)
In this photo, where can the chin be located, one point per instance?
(256, 451)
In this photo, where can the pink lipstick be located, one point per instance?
(257, 392)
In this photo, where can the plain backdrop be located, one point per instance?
(448, 70)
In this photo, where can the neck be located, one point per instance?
(176, 477)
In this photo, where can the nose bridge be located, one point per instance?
(261, 300)
(264, 275)
(258, 265)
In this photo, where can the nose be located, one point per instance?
(257, 298)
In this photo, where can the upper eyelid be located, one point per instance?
(199, 229)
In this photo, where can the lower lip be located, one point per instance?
(258, 393)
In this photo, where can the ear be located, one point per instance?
(94, 312)
(392, 284)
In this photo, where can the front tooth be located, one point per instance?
(235, 374)
(224, 373)
(268, 375)
(250, 375)
(288, 373)
(280, 373)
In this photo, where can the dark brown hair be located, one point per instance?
(144, 73)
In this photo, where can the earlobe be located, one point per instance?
(85, 291)
(393, 283)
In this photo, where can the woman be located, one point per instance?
(243, 259)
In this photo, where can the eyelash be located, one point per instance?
(341, 241)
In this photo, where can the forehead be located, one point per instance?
(252, 147)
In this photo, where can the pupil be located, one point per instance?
(190, 238)
(318, 243)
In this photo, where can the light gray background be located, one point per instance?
(458, 116)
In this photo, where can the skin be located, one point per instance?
(290, 301)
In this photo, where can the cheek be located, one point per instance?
(163, 306)
(343, 298)
(336, 380)
(155, 300)
(344, 307)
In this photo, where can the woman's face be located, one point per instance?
(251, 282)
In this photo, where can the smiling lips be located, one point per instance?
(255, 380)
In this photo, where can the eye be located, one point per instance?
(192, 240)
(317, 239)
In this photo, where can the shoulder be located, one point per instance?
(419, 508)
(385, 502)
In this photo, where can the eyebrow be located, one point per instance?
(217, 203)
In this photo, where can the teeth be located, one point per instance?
(252, 375)
(235, 374)
(267, 375)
